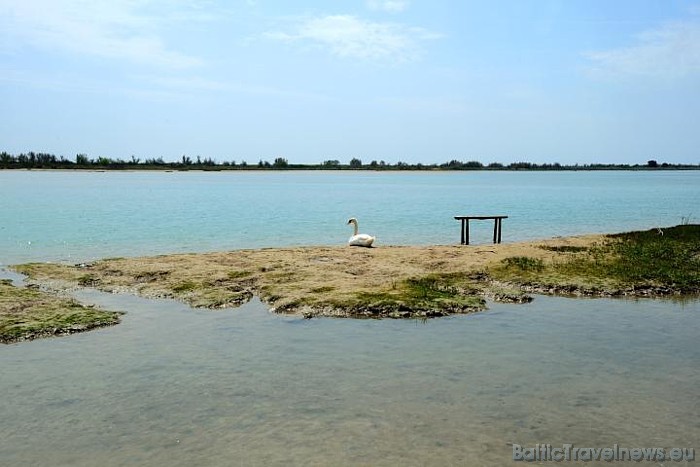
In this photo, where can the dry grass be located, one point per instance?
(393, 281)
(389, 281)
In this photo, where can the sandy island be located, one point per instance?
(400, 281)
(353, 282)
(310, 280)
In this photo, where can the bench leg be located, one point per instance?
(465, 232)
(495, 230)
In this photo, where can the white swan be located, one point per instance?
(359, 239)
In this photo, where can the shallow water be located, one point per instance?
(173, 386)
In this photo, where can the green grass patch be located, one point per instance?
(28, 313)
(667, 258)
(524, 263)
(186, 286)
(218, 298)
(433, 295)
(564, 248)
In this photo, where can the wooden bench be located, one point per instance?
(497, 221)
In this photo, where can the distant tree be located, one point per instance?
(280, 163)
(331, 163)
(82, 159)
(104, 160)
(45, 159)
(652, 163)
(155, 161)
(134, 160)
(521, 165)
(373, 164)
(355, 163)
(186, 160)
(453, 164)
(495, 165)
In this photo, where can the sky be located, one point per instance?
(569, 81)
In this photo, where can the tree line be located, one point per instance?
(39, 160)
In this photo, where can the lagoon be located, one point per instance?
(175, 386)
(77, 216)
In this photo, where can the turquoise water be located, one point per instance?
(172, 386)
(76, 216)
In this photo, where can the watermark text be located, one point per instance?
(614, 453)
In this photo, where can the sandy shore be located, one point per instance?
(386, 281)
(351, 282)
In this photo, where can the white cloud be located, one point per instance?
(671, 51)
(349, 36)
(392, 6)
(117, 29)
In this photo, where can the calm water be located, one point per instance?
(176, 387)
(74, 216)
(171, 386)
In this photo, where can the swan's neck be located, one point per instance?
(354, 224)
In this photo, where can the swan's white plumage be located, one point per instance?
(359, 239)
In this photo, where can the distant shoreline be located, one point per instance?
(46, 161)
(343, 169)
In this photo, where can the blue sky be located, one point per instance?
(396, 80)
